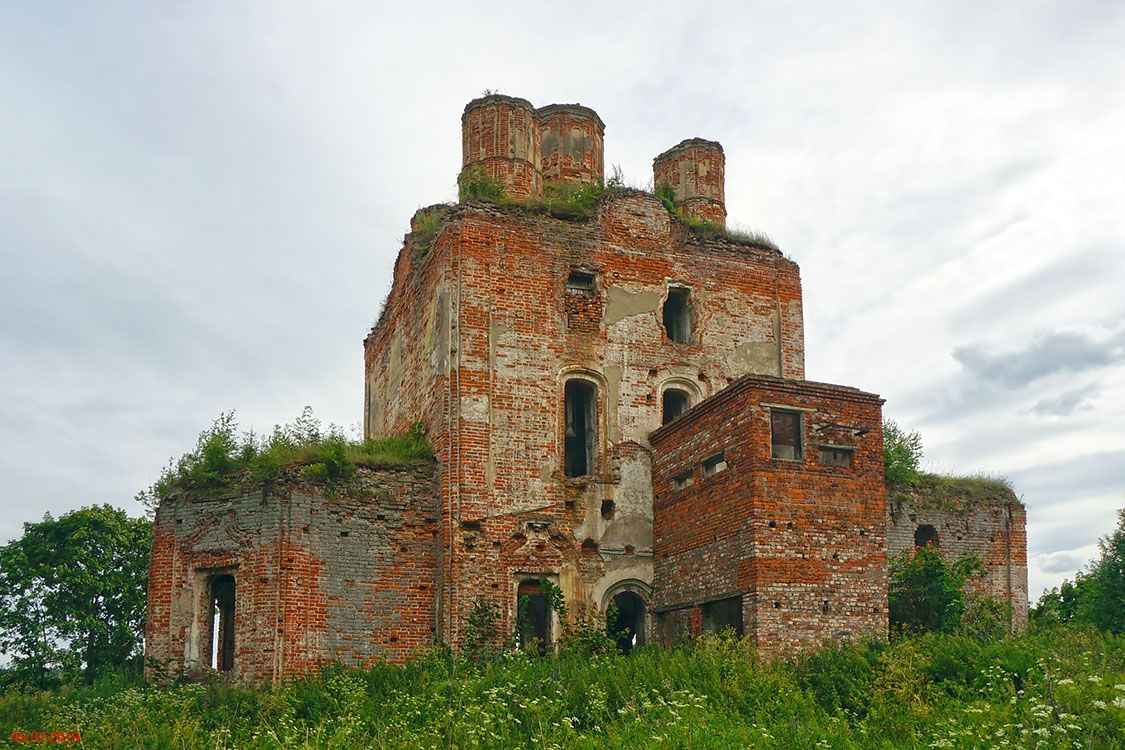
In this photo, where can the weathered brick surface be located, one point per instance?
(803, 544)
(347, 576)
(572, 143)
(695, 170)
(990, 525)
(500, 134)
(477, 340)
(514, 334)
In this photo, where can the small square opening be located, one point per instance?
(580, 282)
(714, 465)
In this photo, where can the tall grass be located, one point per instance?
(1052, 689)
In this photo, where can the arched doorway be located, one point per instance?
(627, 626)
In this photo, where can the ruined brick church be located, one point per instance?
(617, 404)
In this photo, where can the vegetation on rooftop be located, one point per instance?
(902, 457)
(565, 200)
(223, 457)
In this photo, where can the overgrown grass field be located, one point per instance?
(1062, 687)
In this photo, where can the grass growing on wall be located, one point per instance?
(223, 456)
(1057, 688)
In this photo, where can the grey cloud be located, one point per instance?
(1047, 354)
(1060, 562)
(1068, 402)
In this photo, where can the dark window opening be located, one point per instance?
(581, 427)
(580, 282)
(534, 618)
(627, 621)
(222, 623)
(723, 614)
(926, 534)
(714, 465)
(677, 314)
(785, 434)
(834, 456)
(675, 404)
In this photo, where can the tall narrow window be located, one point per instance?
(675, 404)
(627, 625)
(533, 617)
(222, 623)
(677, 314)
(785, 434)
(580, 446)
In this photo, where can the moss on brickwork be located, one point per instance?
(954, 492)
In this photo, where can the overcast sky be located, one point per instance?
(200, 205)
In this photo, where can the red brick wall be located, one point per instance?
(989, 523)
(803, 543)
(572, 143)
(346, 576)
(500, 134)
(695, 169)
(514, 334)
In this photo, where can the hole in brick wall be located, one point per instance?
(496, 543)
(789, 525)
(630, 549)
(675, 403)
(179, 522)
(777, 605)
(345, 533)
(470, 525)
(495, 585)
(926, 534)
(703, 377)
(652, 372)
(836, 556)
(824, 607)
(589, 546)
(862, 532)
(394, 639)
(608, 509)
(380, 516)
(773, 524)
(677, 314)
(581, 438)
(580, 282)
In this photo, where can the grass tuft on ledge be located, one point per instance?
(223, 458)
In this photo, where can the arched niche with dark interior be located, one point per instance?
(926, 534)
(627, 624)
(534, 618)
(674, 402)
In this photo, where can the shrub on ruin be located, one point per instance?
(925, 592)
(902, 453)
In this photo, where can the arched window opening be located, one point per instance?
(677, 314)
(533, 617)
(926, 534)
(627, 621)
(581, 439)
(222, 623)
(676, 403)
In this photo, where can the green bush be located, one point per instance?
(328, 456)
(902, 453)
(925, 593)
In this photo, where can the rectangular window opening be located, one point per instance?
(682, 480)
(714, 465)
(832, 455)
(580, 440)
(675, 403)
(785, 434)
(722, 615)
(222, 623)
(580, 282)
(533, 615)
(677, 314)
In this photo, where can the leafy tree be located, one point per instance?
(902, 452)
(72, 594)
(925, 592)
(1096, 597)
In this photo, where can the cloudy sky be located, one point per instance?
(200, 204)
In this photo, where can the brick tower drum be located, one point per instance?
(695, 171)
(573, 143)
(500, 135)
